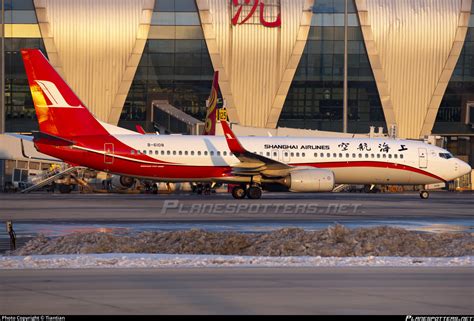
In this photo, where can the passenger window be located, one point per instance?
(162, 152)
(328, 154)
(205, 153)
(186, 152)
(347, 155)
(151, 152)
(174, 152)
(286, 154)
(395, 155)
(218, 153)
(378, 155)
(199, 153)
(303, 154)
(389, 155)
(225, 153)
(401, 156)
(275, 154)
(353, 155)
(360, 155)
(297, 154)
(384, 156)
(322, 154)
(292, 154)
(132, 152)
(315, 154)
(144, 152)
(334, 155)
(192, 153)
(180, 153)
(340, 155)
(366, 155)
(268, 154)
(212, 153)
(168, 152)
(372, 155)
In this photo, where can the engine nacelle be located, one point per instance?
(310, 180)
(122, 181)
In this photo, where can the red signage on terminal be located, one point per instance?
(256, 4)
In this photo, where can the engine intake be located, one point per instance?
(310, 180)
(122, 181)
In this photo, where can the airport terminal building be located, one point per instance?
(410, 63)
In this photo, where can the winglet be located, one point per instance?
(232, 141)
(140, 129)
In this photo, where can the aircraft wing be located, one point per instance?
(252, 163)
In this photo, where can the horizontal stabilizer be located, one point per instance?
(20, 136)
(43, 138)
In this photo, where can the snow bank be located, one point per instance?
(191, 261)
(334, 241)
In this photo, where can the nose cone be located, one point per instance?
(464, 168)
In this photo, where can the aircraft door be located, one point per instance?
(108, 153)
(422, 157)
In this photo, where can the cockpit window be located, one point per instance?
(445, 155)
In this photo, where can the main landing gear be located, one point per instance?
(424, 194)
(253, 192)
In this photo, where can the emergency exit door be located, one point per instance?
(422, 157)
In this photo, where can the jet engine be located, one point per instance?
(310, 180)
(122, 181)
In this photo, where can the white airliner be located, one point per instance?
(70, 132)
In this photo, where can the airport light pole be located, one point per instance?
(344, 103)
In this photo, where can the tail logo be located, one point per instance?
(51, 91)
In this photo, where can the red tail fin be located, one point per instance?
(211, 116)
(60, 112)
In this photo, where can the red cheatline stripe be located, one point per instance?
(371, 164)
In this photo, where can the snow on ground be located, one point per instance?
(117, 260)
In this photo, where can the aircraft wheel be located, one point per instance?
(424, 194)
(254, 192)
(238, 192)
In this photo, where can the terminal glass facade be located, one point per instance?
(21, 31)
(315, 98)
(175, 65)
(452, 117)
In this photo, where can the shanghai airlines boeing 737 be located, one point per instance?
(70, 132)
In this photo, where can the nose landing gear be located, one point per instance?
(424, 194)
